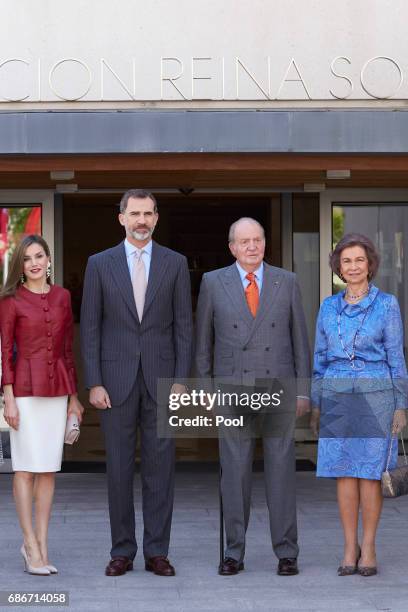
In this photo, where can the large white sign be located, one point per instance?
(95, 50)
(196, 78)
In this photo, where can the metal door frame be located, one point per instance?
(349, 197)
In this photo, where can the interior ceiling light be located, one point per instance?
(314, 187)
(66, 187)
(338, 174)
(62, 175)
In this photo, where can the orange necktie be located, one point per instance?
(252, 294)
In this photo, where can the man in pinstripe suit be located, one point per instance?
(136, 327)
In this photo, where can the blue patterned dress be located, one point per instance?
(357, 397)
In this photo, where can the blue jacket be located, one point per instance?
(379, 362)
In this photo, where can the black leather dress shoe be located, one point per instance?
(118, 566)
(288, 567)
(230, 567)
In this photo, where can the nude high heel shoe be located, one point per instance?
(367, 570)
(36, 571)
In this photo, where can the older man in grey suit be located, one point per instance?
(251, 327)
(136, 328)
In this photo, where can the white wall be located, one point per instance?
(275, 41)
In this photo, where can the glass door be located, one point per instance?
(386, 224)
(382, 215)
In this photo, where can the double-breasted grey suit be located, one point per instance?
(127, 357)
(235, 347)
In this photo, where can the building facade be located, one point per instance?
(293, 113)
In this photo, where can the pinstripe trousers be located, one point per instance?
(120, 425)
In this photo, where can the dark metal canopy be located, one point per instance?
(204, 131)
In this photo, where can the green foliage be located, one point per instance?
(17, 219)
(338, 224)
(338, 231)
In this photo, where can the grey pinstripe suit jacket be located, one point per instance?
(113, 340)
(234, 346)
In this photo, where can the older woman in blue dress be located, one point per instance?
(359, 395)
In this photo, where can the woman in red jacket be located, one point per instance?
(39, 384)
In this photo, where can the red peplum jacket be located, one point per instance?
(36, 343)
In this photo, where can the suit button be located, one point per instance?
(245, 371)
(235, 325)
(43, 297)
(245, 348)
(50, 363)
(267, 371)
(267, 348)
(47, 319)
(46, 309)
(272, 324)
(50, 375)
(49, 334)
(49, 348)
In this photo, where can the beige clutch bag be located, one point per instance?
(72, 430)
(394, 483)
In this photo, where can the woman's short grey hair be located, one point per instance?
(351, 240)
(231, 233)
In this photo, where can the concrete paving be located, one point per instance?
(79, 545)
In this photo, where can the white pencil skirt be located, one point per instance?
(38, 443)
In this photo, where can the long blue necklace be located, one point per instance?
(351, 356)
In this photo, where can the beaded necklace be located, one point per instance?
(357, 296)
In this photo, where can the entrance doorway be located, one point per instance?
(195, 225)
